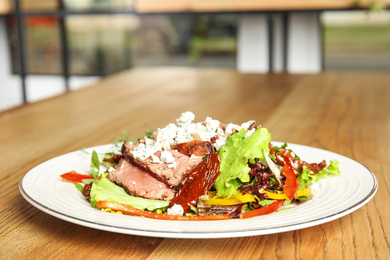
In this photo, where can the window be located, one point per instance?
(357, 40)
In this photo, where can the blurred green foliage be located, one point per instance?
(357, 38)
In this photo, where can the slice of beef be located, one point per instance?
(195, 147)
(127, 148)
(139, 182)
(165, 172)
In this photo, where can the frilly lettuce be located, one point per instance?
(235, 156)
(307, 177)
(103, 189)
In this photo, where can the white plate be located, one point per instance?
(337, 197)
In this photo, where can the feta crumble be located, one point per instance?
(185, 131)
(230, 128)
(172, 165)
(176, 210)
(211, 124)
(166, 136)
(155, 159)
(315, 188)
(185, 119)
(247, 124)
(142, 151)
(167, 157)
(219, 143)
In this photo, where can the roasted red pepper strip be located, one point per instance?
(198, 182)
(74, 176)
(127, 209)
(290, 187)
(283, 158)
(262, 211)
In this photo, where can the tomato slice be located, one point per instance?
(262, 211)
(290, 187)
(127, 209)
(74, 176)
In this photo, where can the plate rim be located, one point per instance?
(202, 235)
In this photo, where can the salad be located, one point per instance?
(200, 171)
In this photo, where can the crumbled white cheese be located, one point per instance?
(167, 157)
(166, 136)
(185, 131)
(111, 169)
(231, 127)
(201, 132)
(247, 124)
(148, 141)
(172, 165)
(142, 151)
(176, 210)
(211, 124)
(185, 119)
(155, 159)
(219, 143)
(315, 189)
(183, 136)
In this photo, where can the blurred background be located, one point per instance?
(102, 44)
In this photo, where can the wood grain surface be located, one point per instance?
(347, 113)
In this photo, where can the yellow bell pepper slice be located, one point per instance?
(275, 196)
(301, 193)
(233, 200)
(304, 192)
(244, 198)
(224, 202)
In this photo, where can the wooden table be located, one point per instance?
(347, 113)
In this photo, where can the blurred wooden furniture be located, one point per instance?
(273, 35)
(5, 6)
(346, 113)
(148, 6)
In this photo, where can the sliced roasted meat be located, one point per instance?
(195, 147)
(139, 182)
(127, 148)
(172, 173)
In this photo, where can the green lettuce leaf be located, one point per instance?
(235, 156)
(104, 189)
(266, 202)
(95, 165)
(307, 177)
